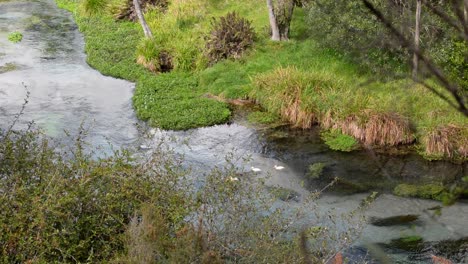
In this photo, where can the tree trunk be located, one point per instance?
(275, 35)
(288, 13)
(142, 20)
(465, 11)
(416, 40)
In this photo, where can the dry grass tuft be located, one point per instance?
(380, 129)
(450, 141)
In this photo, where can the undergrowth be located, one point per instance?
(63, 206)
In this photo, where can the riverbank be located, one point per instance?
(296, 80)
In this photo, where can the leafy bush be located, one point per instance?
(230, 37)
(15, 37)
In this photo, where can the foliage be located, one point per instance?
(230, 37)
(76, 209)
(336, 140)
(15, 37)
(349, 27)
(94, 7)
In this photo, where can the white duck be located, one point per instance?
(255, 169)
(278, 167)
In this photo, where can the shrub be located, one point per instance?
(230, 37)
(76, 209)
(15, 37)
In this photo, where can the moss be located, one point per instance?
(15, 37)
(339, 141)
(409, 243)
(427, 191)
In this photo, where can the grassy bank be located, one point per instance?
(296, 80)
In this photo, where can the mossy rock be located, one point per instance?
(427, 191)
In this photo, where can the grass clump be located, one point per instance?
(265, 118)
(298, 97)
(15, 37)
(336, 140)
(446, 142)
(230, 37)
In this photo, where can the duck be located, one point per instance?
(144, 147)
(255, 169)
(278, 167)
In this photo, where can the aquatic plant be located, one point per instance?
(428, 191)
(8, 67)
(336, 140)
(15, 36)
(316, 170)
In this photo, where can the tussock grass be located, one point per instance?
(447, 142)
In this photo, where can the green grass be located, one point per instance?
(15, 37)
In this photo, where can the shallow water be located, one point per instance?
(65, 91)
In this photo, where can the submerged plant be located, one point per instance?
(15, 37)
(336, 140)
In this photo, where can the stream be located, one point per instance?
(66, 96)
